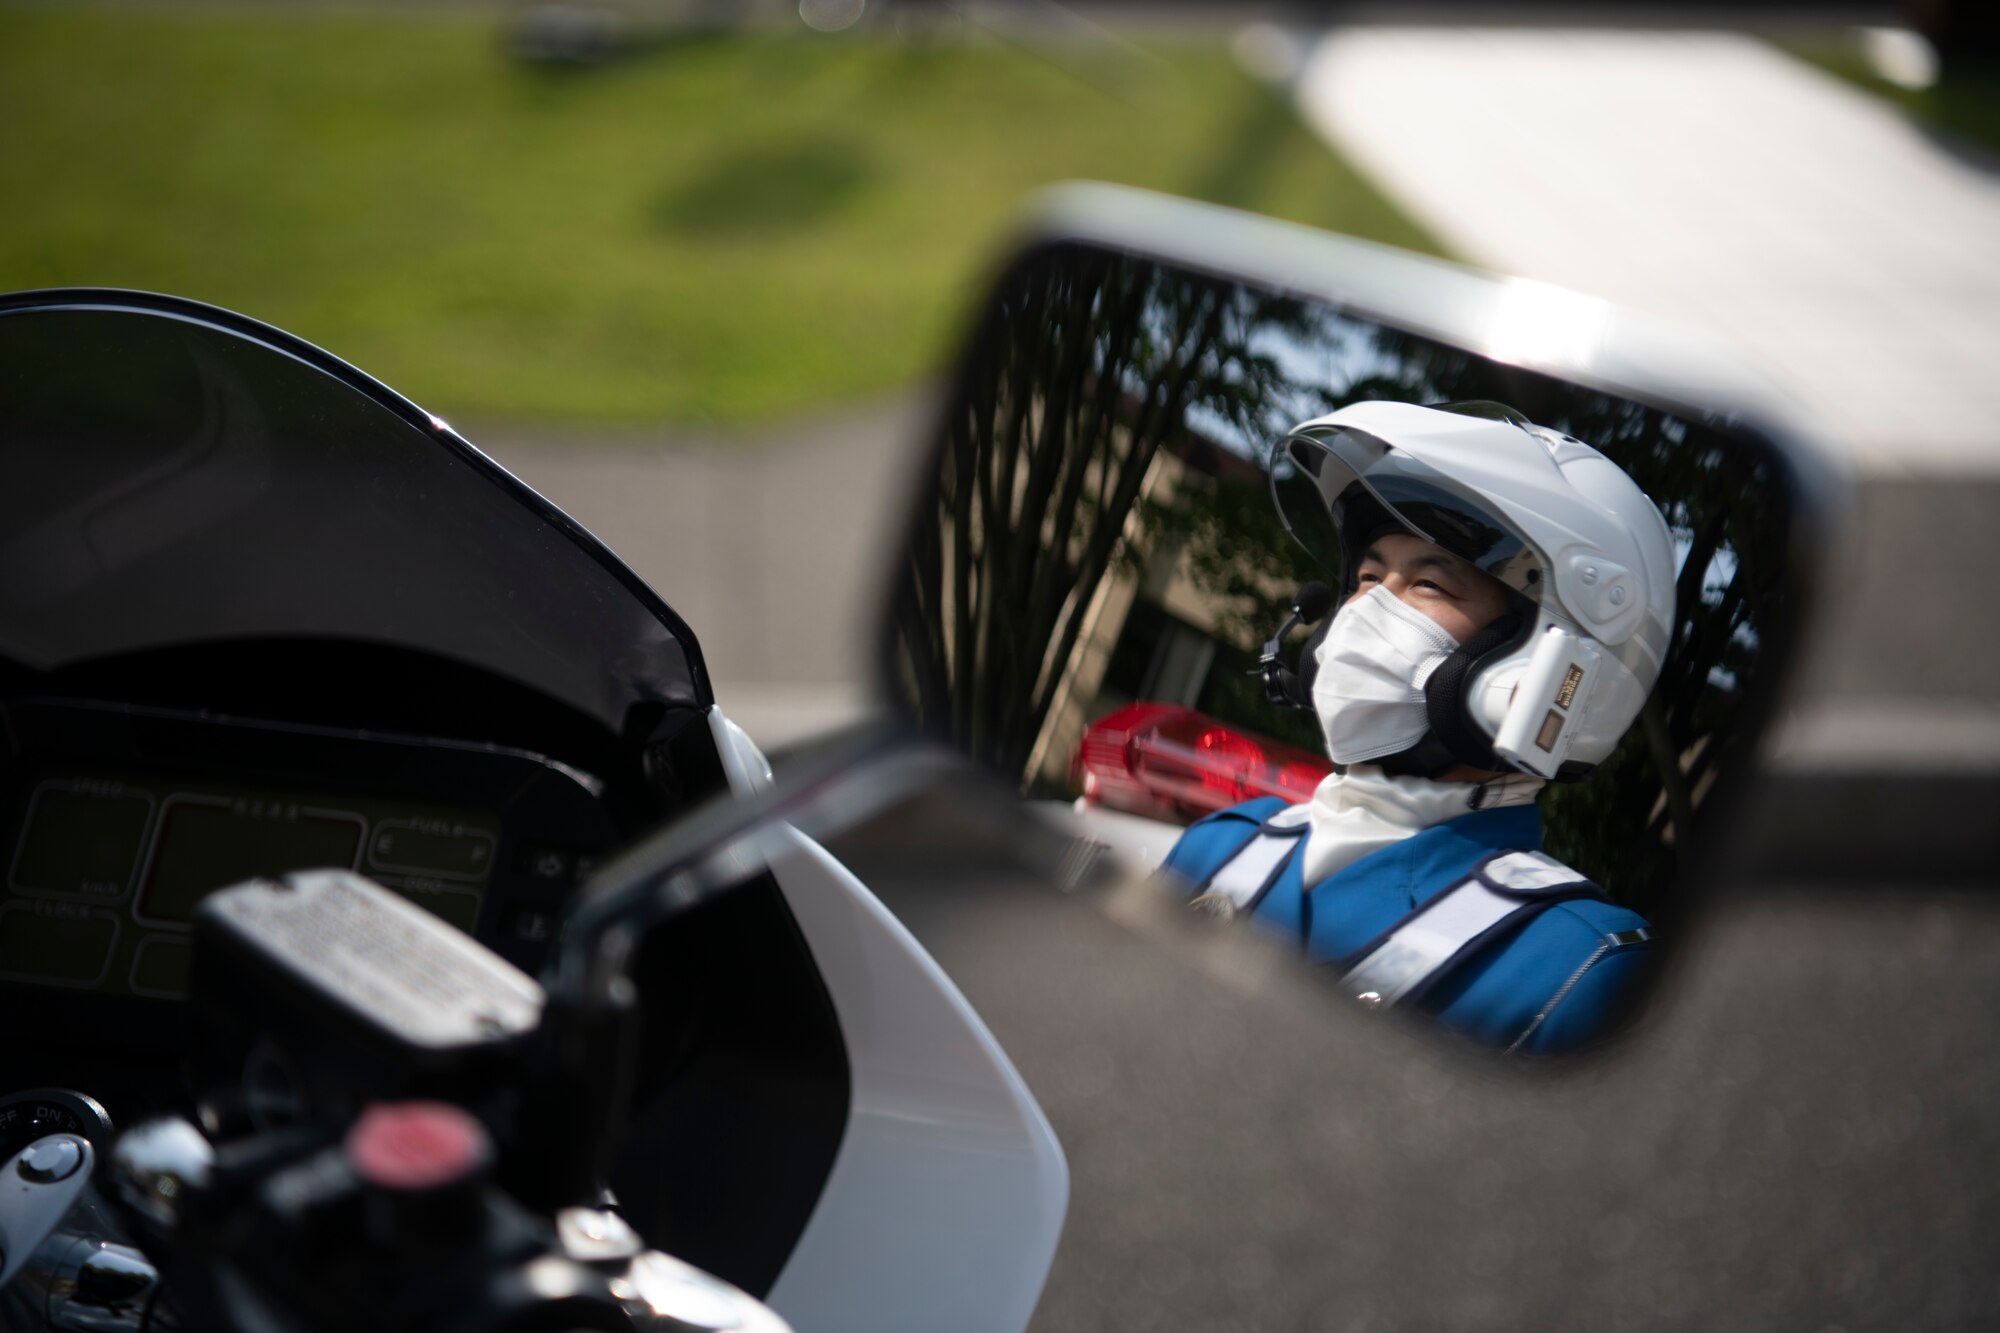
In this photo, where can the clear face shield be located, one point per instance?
(1335, 487)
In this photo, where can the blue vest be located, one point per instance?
(1545, 980)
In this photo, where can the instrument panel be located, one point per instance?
(116, 820)
(107, 868)
(118, 816)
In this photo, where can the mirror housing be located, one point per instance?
(1097, 537)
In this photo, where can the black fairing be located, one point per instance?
(178, 474)
(258, 564)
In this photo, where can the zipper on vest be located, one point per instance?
(1604, 946)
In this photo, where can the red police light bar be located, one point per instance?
(1169, 762)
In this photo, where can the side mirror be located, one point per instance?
(1173, 420)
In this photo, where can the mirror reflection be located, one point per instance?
(1423, 663)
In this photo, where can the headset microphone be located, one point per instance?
(1281, 687)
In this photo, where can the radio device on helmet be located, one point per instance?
(1535, 735)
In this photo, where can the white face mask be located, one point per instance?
(1369, 690)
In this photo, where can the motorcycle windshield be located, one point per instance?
(171, 474)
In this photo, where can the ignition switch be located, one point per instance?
(40, 1112)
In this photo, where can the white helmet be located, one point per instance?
(1549, 688)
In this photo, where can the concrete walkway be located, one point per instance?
(1710, 179)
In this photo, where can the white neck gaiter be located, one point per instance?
(1364, 810)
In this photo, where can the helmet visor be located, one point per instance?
(1337, 488)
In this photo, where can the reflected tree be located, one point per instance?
(1086, 370)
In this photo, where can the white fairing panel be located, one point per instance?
(947, 1194)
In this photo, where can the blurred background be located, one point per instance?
(691, 267)
(697, 270)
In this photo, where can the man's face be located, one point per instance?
(1454, 594)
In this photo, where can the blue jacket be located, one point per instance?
(1554, 972)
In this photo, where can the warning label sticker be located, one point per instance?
(393, 962)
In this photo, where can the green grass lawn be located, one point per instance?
(730, 230)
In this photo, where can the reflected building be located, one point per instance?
(1158, 628)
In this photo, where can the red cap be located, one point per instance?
(416, 1145)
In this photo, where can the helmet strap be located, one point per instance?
(1428, 758)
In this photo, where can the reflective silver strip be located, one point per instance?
(1250, 869)
(1528, 872)
(1619, 938)
(1427, 941)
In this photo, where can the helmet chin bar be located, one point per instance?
(1456, 736)
(1448, 693)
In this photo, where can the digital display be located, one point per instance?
(83, 838)
(204, 842)
(106, 871)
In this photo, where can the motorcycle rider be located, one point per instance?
(1505, 606)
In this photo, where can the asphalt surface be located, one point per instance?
(1797, 1135)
